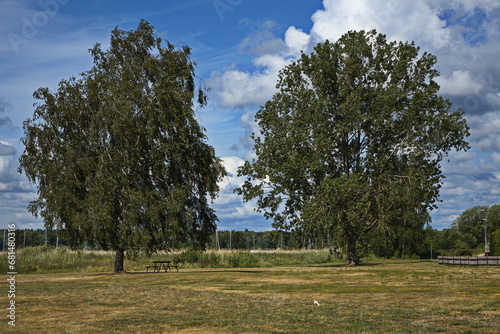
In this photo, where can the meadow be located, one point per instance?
(275, 295)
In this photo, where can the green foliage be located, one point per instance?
(44, 259)
(64, 260)
(493, 217)
(472, 222)
(451, 242)
(461, 248)
(495, 243)
(466, 235)
(200, 259)
(117, 154)
(352, 141)
(31, 252)
(242, 259)
(188, 256)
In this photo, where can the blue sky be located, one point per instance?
(240, 46)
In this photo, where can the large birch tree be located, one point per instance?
(117, 153)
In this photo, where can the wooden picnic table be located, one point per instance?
(162, 263)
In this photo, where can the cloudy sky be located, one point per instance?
(240, 46)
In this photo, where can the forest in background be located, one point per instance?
(465, 237)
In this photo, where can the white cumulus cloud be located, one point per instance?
(460, 83)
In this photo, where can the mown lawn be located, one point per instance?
(377, 297)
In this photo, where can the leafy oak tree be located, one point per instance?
(353, 141)
(117, 153)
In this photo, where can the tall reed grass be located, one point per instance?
(49, 260)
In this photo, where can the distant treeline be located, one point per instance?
(221, 240)
(33, 238)
(228, 240)
(431, 243)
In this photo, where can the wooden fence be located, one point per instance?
(470, 260)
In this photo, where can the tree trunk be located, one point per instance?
(352, 258)
(120, 255)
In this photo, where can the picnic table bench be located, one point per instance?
(157, 265)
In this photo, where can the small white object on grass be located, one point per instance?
(316, 303)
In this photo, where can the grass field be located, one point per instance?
(377, 297)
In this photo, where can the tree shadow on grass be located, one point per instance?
(229, 270)
(372, 264)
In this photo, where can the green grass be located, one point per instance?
(377, 297)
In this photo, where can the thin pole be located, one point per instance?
(485, 219)
(486, 250)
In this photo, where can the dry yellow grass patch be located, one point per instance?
(385, 297)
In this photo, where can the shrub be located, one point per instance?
(495, 243)
(461, 248)
(33, 252)
(242, 259)
(190, 256)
